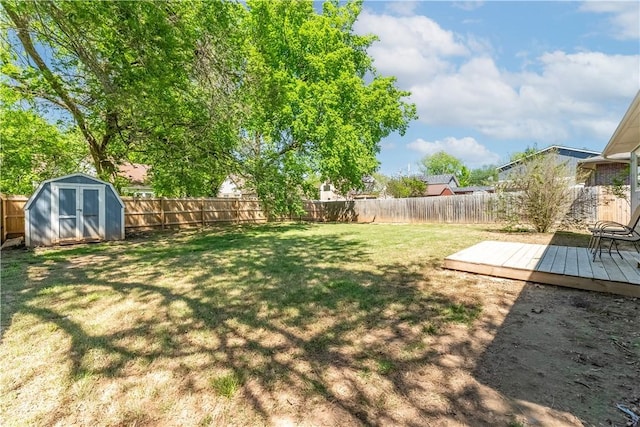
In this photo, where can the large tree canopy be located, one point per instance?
(276, 92)
(314, 99)
(122, 72)
(32, 150)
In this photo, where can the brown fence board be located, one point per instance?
(12, 211)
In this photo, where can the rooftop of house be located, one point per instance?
(474, 189)
(439, 179)
(136, 173)
(438, 189)
(580, 153)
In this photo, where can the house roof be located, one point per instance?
(438, 189)
(626, 137)
(439, 179)
(136, 173)
(580, 153)
(591, 162)
(473, 189)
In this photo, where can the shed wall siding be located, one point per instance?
(113, 215)
(39, 227)
(40, 218)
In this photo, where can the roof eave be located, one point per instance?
(626, 137)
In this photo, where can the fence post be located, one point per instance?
(4, 219)
(162, 216)
(202, 212)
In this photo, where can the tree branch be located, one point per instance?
(22, 28)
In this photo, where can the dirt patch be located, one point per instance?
(572, 351)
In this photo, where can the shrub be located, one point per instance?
(537, 192)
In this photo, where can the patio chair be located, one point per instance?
(615, 227)
(615, 232)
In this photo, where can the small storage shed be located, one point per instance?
(72, 209)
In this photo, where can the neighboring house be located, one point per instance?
(479, 189)
(235, 187)
(603, 171)
(328, 193)
(439, 190)
(447, 179)
(564, 154)
(440, 185)
(230, 188)
(136, 175)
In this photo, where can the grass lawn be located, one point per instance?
(284, 324)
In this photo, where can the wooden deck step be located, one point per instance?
(555, 265)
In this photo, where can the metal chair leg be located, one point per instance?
(613, 242)
(597, 244)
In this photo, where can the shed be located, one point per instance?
(72, 209)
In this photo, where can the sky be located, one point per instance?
(492, 78)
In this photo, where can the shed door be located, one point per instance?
(77, 212)
(90, 213)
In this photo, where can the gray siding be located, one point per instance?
(113, 216)
(562, 156)
(39, 227)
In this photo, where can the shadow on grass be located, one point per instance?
(277, 311)
(566, 349)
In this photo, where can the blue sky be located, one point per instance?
(491, 78)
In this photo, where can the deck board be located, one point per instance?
(556, 265)
(547, 260)
(536, 257)
(585, 268)
(560, 261)
(516, 259)
(571, 263)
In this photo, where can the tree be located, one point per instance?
(315, 102)
(485, 175)
(126, 75)
(406, 186)
(521, 155)
(539, 192)
(442, 163)
(32, 150)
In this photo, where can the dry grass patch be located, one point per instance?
(331, 324)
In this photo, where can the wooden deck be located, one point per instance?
(553, 265)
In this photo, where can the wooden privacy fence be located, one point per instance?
(143, 214)
(12, 213)
(470, 209)
(590, 204)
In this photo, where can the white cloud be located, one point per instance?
(569, 94)
(411, 48)
(467, 149)
(624, 17)
(468, 5)
(402, 7)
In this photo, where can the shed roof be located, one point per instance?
(84, 175)
(626, 137)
